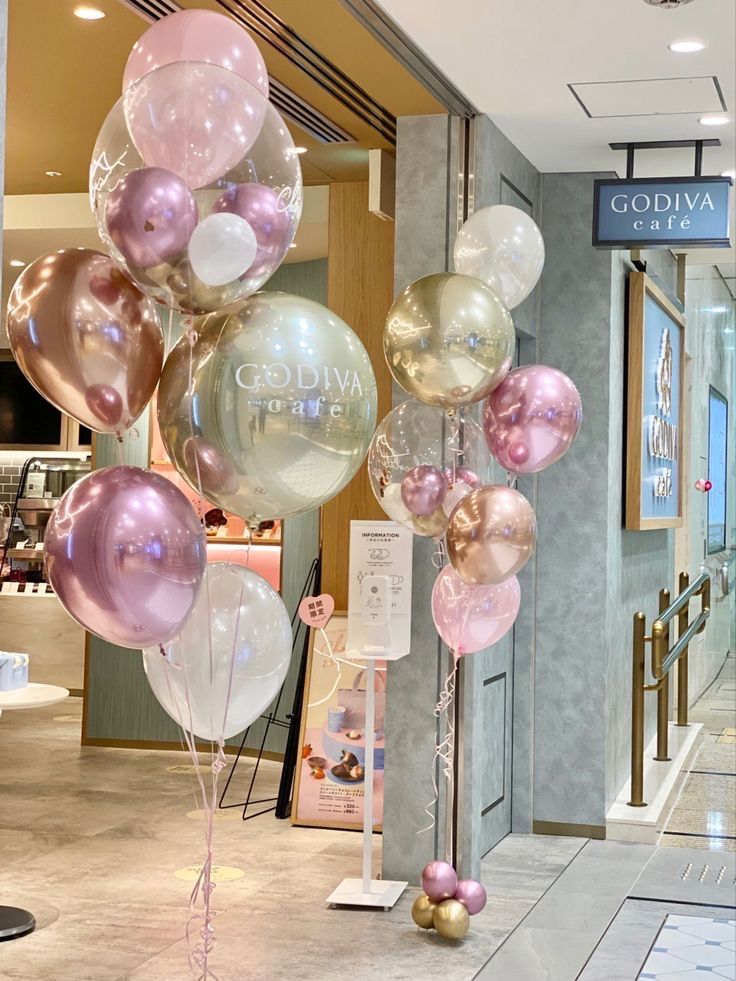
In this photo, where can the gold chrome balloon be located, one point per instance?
(448, 340)
(422, 912)
(280, 409)
(451, 919)
(491, 535)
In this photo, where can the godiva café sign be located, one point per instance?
(666, 212)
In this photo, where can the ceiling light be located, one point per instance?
(713, 120)
(686, 47)
(88, 13)
(300, 149)
(17, 263)
(293, 245)
(53, 173)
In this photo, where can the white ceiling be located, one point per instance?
(514, 59)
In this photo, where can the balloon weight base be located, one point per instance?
(381, 894)
(15, 922)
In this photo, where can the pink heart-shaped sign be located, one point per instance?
(315, 611)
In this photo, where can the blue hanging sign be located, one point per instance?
(661, 212)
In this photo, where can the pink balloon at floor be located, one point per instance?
(150, 216)
(125, 554)
(472, 895)
(196, 120)
(266, 213)
(423, 490)
(471, 618)
(197, 35)
(439, 881)
(531, 418)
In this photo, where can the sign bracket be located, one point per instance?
(664, 145)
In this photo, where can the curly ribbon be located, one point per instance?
(333, 659)
(444, 750)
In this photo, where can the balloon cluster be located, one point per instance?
(266, 408)
(447, 903)
(449, 342)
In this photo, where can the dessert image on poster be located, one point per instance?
(330, 778)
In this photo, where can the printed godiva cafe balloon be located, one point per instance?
(281, 390)
(491, 535)
(448, 340)
(125, 554)
(86, 338)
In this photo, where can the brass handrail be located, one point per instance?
(664, 658)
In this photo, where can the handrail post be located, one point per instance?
(660, 649)
(683, 620)
(705, 601)
(637, 713)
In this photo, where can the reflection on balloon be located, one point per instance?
(415, 436)
(263, 209)
(230, 659)
(197, 35)
(222, 248)
(86, 338)
(212, 471)
(281, 388)
(448, 340)
(491, 535)
(150, 216)
(125, 555)
(423, 490)
(471, 618)
(532, 418)
(502, 246)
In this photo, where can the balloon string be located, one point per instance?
(438, 557)
(336, 661)
(444, 751)
(169, 330)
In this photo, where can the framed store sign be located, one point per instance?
(717, 469)
(329, 786)
(662, 212)
(656, 339)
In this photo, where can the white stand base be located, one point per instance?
(383, 894)
(663, 782)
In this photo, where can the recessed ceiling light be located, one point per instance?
(293, 245)
(729, 173)
(53, 173)
(300, 149)
(17, 263)
(686, 47)
(713, 120)
(88, 13)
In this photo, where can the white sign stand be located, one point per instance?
(396, 555)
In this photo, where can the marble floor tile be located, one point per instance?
(703, 842)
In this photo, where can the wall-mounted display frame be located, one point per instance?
(654, 423)
(717, 469)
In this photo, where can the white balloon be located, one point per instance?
(222, 247)
(230, 659)
(503, 247)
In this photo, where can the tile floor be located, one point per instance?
(687, 947)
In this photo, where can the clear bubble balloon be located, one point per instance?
(186, 159)
(423, 461)
(229, 660)
(280, 409)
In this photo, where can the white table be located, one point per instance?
(15, 922)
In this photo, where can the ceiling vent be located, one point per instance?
(667, 4)
(288, 103)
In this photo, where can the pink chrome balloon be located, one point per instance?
(471, 618)
(463, 475)
(491, 535)
(531, 418)
(213, 471)
(125, 554)
(262, 207)
(86, 338)
(439, 881)
(472, 895)
(150, 216)
(423, 490)
(197, 35)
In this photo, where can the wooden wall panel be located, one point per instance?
(360, 290)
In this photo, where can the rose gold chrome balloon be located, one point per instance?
(86, 338)
(491, 535)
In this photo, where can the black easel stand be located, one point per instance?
(282, 807)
